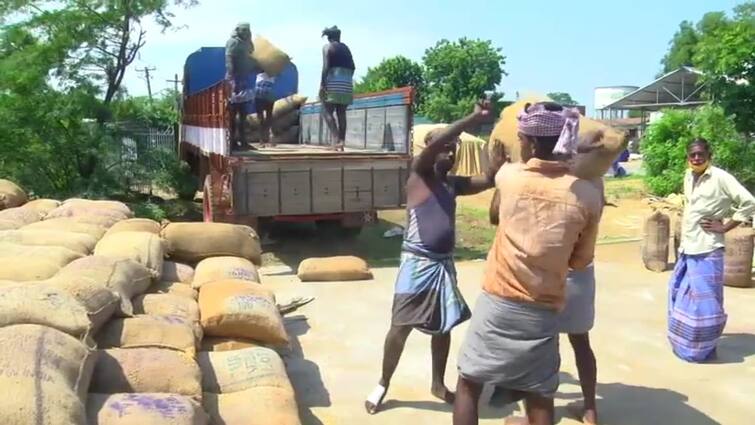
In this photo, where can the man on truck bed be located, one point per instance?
(426, 296)
(336, 83)
(240, 70)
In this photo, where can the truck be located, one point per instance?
(300, 180)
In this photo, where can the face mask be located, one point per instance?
(699, 169)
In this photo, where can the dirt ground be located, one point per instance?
(334, 361)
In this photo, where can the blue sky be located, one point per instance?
(571, 46)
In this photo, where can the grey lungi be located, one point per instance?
(578, 315)
(512, 345)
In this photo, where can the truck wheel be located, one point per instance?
(336, 229)
(208, 211)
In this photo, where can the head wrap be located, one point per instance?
(334, 30)
(241, 27)
(537, 121)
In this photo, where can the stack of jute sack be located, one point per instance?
(285, 120)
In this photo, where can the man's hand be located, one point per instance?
(322, 93)
(482, 109)
(497, 159)
(713, 226)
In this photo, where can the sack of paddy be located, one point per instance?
(233, 371)
(224, 268)
(291, 135)
(69, 225)
(595, 163)
(23, 263)
(20, 215)
(144, 331)
(107, 205)
(42, 206)
(334, 269)
(11, 195)
(167, 305)
(78, 210)
(193, 242)
(237, 309)
(255, 406)
(655, 241)
(177, 272)
(9, 225)
(144, 409)
(135, 225)
(44, 304)
(104, 220)
(125, 277)
(285, 121)
(270, 59)
(146, 370)
(44, 374)
(145, 248)
(100, 302)
(174, 288)
(77, 242)
(738, 257)
(215, 343)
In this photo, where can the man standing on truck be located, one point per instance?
(426, 296)
(336, 84)
(240, 71)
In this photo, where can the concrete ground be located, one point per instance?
(337, 342)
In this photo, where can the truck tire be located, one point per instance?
(335, 228)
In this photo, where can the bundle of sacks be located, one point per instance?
(98, 328)
(285, 121)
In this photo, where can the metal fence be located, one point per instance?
(140, 149)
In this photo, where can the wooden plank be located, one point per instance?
(295, 192)
(386, 188)
(397, 127)
(357, 190)
(327, 191)
(355, 122)
(263, 195)
(375, 129)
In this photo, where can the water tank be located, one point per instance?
(605, 96)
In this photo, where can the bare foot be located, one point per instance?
(516, 420)
(443, 393)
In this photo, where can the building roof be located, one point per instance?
(678, 89)
(623, 122)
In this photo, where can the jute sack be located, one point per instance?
(77, 242)
(109, 205)
(144, 409)
(167, 305)
(334, 269)
(9, 225)
(69, 225)
(100, 302)
(236, 309)
(655, 241)
(45, 374)
(214, 343)
(193, 242)
(177, 272)
(174, 288)
(104, 220)
(232, 371)
(281, 108)
(285, 121)
(270, 59)
(44, 304)
(146, 370)
(20, 215)
(223, 268)
(291, 135)
(25, 269)
(738, 257)
(125, 277)
(42, 206)
(11, 195)
(136, 225)
(54, 254)
(145, 248)
(168, 332)
(255, 406)
(76, 210)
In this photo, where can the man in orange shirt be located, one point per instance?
(548, 224)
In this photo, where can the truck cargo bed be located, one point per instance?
(283, 151)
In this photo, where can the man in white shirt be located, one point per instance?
(696, 316)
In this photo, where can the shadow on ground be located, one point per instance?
(308, 384)
(623, 404)
(734, 348)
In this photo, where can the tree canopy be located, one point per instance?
(394, 72)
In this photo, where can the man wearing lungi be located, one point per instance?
(548, 224)
(240, 73)
(696, 316)
(336, 83)
(426, 296)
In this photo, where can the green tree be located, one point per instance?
(563, 98)
(664, 147)
(457, 75)
(61, 66)
(683, 46)
(160, 112)
(394, 72)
